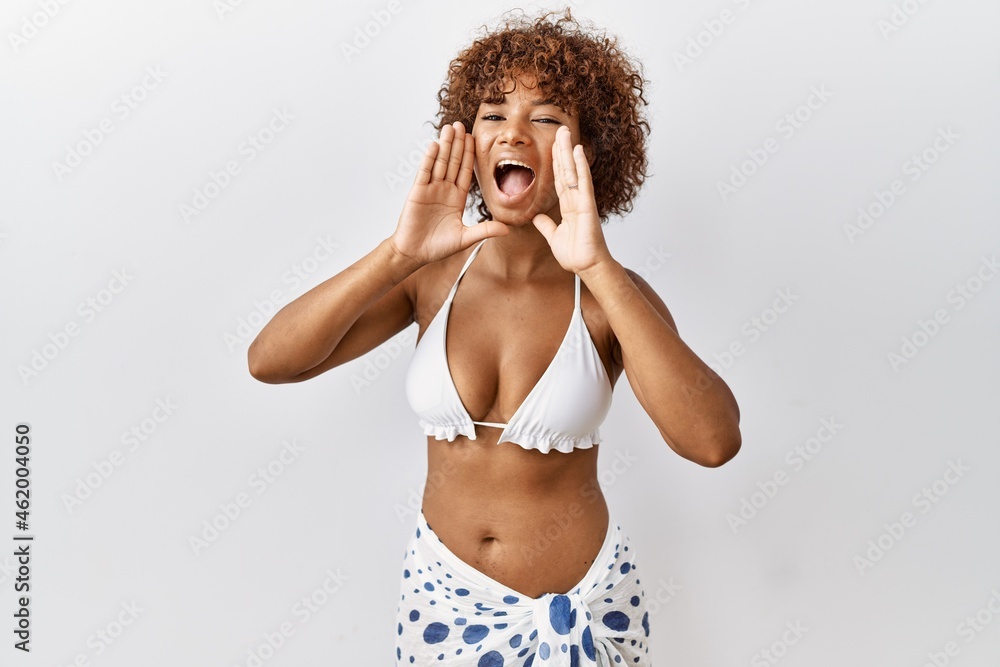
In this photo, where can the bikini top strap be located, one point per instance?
(461, 273)
(577, 296)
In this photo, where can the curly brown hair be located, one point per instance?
(582, 71)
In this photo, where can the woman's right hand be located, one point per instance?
(430, 227)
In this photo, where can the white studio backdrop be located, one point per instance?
(820, 217)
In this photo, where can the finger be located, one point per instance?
(426, 164)
(566, 158)
(557, 171)
(583, 171)
(468, 162)
(457, 152)
(483, 230)
(545, 225)
(441, 164)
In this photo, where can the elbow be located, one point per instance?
(258, 368)
(722, 450)
(713, 451)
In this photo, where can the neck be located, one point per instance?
(523, 254)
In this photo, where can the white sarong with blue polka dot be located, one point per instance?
(452, 614)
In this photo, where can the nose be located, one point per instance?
(513, 132)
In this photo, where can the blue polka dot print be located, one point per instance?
(452, 614)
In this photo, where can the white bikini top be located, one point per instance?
(563, 411)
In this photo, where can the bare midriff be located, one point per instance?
(534, 522)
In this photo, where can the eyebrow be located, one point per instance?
(534, 103)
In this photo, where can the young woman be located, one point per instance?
(512, 374)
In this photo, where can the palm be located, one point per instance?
(577, 242)
(430, 226)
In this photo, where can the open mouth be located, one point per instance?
(513, 178)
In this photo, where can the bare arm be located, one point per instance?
(692, 407)
(372, 300)
(337, 321)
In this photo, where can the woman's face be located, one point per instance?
(522, 127)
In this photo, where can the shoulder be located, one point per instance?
(654, 299)
(428, 286)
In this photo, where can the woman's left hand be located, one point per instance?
(577, 242)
